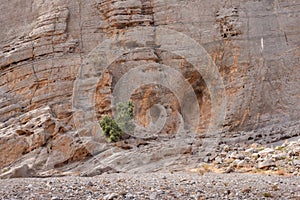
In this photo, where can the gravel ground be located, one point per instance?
(179, 185)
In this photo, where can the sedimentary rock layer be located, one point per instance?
(47, 49)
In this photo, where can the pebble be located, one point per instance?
(255, 155)
(296, 162)
(247, 159)
(110, 196)
(29, 186)
(129, 196)
(206, 159)
(226, 148)
(153, 196)
(241, 163)
(250, 150)
(233, 155)
(90, 184)
(218, 160)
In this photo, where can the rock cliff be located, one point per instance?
(211, 71)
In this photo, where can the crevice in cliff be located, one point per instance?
(286, 39)
(14, 63)
(36, 83)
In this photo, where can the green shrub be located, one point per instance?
(114, 129)
(110, 128)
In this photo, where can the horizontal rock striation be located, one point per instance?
(52, 68)
(34, 67)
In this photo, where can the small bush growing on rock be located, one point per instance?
(110, 128)
(114, 129)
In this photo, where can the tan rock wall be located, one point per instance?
(44, 46)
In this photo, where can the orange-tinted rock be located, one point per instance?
(55, 83)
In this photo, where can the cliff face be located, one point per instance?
(219, 69)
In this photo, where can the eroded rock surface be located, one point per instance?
(52, 71)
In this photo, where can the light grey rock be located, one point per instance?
(250, 150)
(218, 160)
(279, 156)
(110, 196)
(266, 164)
(153, 196)
(296, 151)
(234, 155)
(266, 151)
(18, 172)
(296, 162)
(241, 163)
(247, 159)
